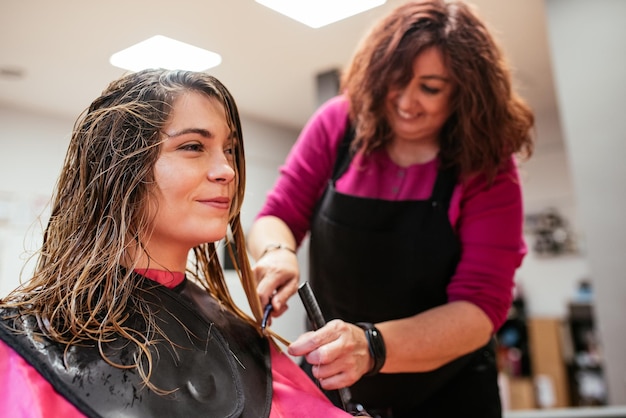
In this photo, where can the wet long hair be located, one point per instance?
(489, 121)
(80, 290)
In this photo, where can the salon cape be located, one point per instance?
(24, 393)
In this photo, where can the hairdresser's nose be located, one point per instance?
(221, 169)
(408, 98)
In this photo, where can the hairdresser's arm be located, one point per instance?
(339, 352)
(272, 244)
(435, 337)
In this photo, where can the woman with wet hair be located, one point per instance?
(128, 312)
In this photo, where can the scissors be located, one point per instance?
(266, 315)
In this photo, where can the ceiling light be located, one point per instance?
(163, 52)
(317, 13)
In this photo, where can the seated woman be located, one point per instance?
(128, 313)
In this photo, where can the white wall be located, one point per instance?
(588, 42)
(33, 148)
(550, 283)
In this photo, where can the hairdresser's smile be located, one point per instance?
(406, 115)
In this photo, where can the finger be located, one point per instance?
(278, 312)
(325, 366)
(259, 272)
(336, 381)
(283, 294)
(263, 288)
(267, 289)
(304, 344)
(329, 373)
(312, 340)
(340, 372)
(321, 356)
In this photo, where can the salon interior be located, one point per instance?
(562, 350)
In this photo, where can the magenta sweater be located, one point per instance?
(487, 219)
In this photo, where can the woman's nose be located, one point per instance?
(221, 170)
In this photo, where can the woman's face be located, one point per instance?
(418, 110)
(194, 177)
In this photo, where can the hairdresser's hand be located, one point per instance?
(277, 274)
(338, 352)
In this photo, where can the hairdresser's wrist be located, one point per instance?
(275, 246)
(376, 346)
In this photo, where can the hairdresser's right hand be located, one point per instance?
(277, 274)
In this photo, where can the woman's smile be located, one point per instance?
(222, 203)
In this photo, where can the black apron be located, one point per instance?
(215, 364)
(375, 260)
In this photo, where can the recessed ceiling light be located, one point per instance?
(318, 13)
(163, 52)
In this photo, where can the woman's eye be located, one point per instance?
(230, 154)
(229, 147)
(193, 146)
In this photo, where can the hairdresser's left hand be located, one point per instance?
(338, 352)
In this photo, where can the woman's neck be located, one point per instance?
(407, 153)
(158, 259)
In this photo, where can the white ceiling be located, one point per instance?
(269, 61)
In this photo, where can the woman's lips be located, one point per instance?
(217, 202)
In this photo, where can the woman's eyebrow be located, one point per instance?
(203, 132)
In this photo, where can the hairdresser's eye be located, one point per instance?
(429, 89)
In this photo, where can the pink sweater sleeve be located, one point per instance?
(307, 168)
(489, 222)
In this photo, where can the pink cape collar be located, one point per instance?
(169, 279)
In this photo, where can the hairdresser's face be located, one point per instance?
(194, 177)
(418, 110)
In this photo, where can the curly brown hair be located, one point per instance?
(83, 280)
(489, 121)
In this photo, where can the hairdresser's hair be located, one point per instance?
(79, 290)
(489, 122)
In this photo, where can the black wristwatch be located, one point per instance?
(376, 345)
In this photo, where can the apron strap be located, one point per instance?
(342, 161)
